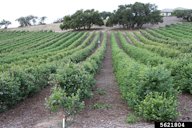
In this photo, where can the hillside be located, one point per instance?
(55, 27)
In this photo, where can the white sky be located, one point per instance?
(54, 9)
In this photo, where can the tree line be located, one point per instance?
(5, 23)
(185, 14)
(31, 20)
(129, 16)
(82, 19)
(135, 15)
(25, 21)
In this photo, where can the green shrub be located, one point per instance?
(101, 106)
(141, 85)
(132, 118)
(27, 83)
(158, 107)
(90, 67)
(17, 84)
(186, 78)
(9, 91)
(156, 79)
(71, 78)
(70, 104)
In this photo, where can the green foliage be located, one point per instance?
(27, 71)
(158, 107)
(101, 106)
(42, 20)
(17, 84)
(71, 105)
(179, 67)
(156, 79)
(26, 21)
(154, 46)
(185, 14)
(105, 15)
(132, 118)
(184, 77)
(5, 23)
(9, 91)
(135, 15)
(75, 83)
(136, 81)
(72, 78)
(66, 23)
(29, 20)
(82, 19)
(100, 91)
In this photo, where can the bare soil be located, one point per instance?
(27, 113)
(185, 108)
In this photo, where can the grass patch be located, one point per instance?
(132, 118)
(101, 106)
(100, 91)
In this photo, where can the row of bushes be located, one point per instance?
(184, 47)
(39, 50)
(153, 46)
(17, 84)
(178, 33)
(73, 82)
(142, 55)
(29, 39)
(152, 35)
(148, 90)
(47, 56)
(168, 34)
(180, 68)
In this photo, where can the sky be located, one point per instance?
(54, 9)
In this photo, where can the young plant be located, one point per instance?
(70, 105)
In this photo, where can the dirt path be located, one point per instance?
(26, 113)
(114, 111)
(185, 107)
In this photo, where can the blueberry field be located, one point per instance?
(152, 67)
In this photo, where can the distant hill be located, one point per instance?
(180, 8)
(53, 27)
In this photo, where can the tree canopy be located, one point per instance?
(82, 19)
(185, 14)
(29, 20)
(135, 15)
(42, 20)
(5, 23)
(104, 15)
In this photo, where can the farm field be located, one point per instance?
(144, 73)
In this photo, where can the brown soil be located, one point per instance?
(185, 108)
(27, 113)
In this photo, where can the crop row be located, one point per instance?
(148, 90)
(20, 82)
(180, 68)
